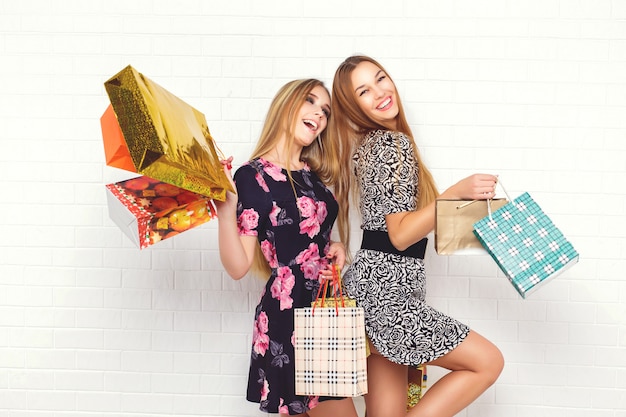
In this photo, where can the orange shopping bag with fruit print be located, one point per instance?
(149, 211)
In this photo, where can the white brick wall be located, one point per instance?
(532, 90)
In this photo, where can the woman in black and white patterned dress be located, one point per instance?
(387, 277)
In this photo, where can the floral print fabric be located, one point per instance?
(392, 288)
(293, 226)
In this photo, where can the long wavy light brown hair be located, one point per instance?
(281, 121)
(348, 127)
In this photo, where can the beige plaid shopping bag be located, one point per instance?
(330, 348)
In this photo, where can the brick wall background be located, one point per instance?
(91, 326)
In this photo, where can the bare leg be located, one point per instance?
(387, 387)
(333, 408)
(475, 365)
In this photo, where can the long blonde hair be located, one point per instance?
(349, 125)
(281, 121)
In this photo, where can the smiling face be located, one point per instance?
(375, 93)
(313, 116)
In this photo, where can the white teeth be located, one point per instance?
(384, 103)
(311, 123)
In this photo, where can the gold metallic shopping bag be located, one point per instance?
(168, 139)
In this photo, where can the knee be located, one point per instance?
(494, 365)
(489, 362)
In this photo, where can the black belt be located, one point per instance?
(379, 240)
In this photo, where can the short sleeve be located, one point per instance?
(254, 204)
(400, 175)
(387, 176)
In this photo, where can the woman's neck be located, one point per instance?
(278, 156)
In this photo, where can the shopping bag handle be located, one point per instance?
(336, 282)
(505, 193)
(499, 181)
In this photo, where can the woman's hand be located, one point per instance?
(230, 204)
(337, 256)
(474, 187)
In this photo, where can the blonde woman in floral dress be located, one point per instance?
(279, 225)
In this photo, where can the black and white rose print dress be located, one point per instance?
(391, 287)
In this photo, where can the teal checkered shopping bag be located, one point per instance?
(525, 244)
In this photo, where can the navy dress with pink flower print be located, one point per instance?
(294, 236)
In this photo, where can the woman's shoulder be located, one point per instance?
(247, 171)
(382, 137)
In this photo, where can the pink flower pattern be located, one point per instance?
(262, 183)
(275, 172)
(269, 252)
(248, 222)
(265, 390)
(282, 286)
(274, 214)
(282, 408)
(313, 214)
(322, 212)
(260, 339)
(306, 206)
(313, 401)
(310, 261)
